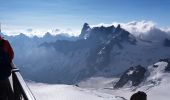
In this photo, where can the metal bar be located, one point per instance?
(21, 90)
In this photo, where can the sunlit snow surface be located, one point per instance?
(67, 92)
(156, 85)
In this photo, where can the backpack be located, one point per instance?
(5, 65)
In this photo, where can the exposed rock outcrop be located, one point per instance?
(134, 74)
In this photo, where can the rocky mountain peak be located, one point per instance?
(118, 26)
(134, 74)
(85, 31)
(102, 33)
(48, 34)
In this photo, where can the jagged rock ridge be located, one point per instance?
(152, 75)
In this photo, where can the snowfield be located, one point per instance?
(67, 92)
(156, 85)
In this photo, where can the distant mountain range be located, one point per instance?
(98, 51)
(46, 38)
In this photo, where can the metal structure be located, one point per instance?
(19, 87)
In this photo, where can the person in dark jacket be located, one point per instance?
(7, 48)
(139, 96)
(6, 92)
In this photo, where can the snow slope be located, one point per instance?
(158, 92)
(156, 84)
(67, 92)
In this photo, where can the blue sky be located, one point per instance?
(64, 14)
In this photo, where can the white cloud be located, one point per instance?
(139, 27)
(38, 32)
(28, 32)
(135, 27)
(70, 32)
(167, 29)
(144, 29)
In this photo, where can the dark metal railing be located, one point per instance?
(20, 89)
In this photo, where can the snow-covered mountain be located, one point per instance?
(46, 38)
(158, 73)
(135, 75)
(152, 76)
(156, 82)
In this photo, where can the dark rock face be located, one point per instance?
(104, 39)
(166, 43)
(85, 31)
(102, 34)
(134, 74)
